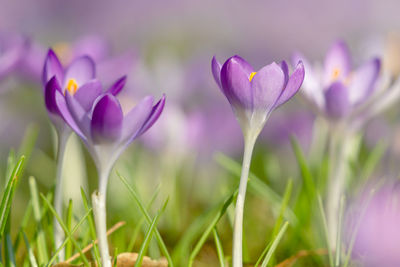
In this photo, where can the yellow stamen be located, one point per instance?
(335, 73)
(252, 75)
(72, 86)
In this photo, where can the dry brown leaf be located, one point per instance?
(128, 259)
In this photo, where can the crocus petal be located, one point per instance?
(337, 100)
(107, 118)
(267, 86)
(52, 67)
(293, 85)
(285, 69)
(216, 71)
(154, 115)
(235, 82)
(79, 115)
(337, 63)
(50, 90)
(363, 80)
(136, 118)
(81, 70)
(65, 113)
(87, 93)
(117, 86)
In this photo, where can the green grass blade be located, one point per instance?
(8, 194)
(41, 238)
(31, 255)
(69, 237)
(148, 236)
(220, 250)
(304, 169)
(255, 185)
(90, 220)
(339, 232)
(142, 219)
(325, 226)
(142, 208)
(68, 246)
(9, 251)
(274, 244)
(213, 223)
(278, 223)
(64, 227)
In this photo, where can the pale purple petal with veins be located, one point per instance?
(216, 71)
(81, 70)
(235, 74)
(267, 86)
(293, 85)
(87, 93)
(154, 115)
(135, 119)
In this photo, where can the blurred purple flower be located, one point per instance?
(378, 235)
(337, 89)
(95, 47)
(253, 95)
(13, 48)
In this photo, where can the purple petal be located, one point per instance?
(362, 81)
(154, 115)
(337, 100)
(81, 70)
(52, 67)
(136, 118)
(117, 86)
(87, 93)
(216, 71)
(107, 118)
(337, 63)
(79, 115)
(285, 69)
(267, 86)
(235, 74)
(50, 90)
(293, 85)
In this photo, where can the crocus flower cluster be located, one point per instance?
(253, 96)
(337, 89)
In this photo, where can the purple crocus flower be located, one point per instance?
(13, 47)
(98, 119)
(336, 89)
(254, 95)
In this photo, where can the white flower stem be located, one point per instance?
(58, 194)
(99, 211)
(238, 222)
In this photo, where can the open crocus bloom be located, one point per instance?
(97, 116)
(253, 95)
(337, 89)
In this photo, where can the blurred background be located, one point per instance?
(166, 47)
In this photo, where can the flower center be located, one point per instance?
(335, 74)
(72, 86)
(252, 75)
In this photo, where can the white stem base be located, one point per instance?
(99, 211)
